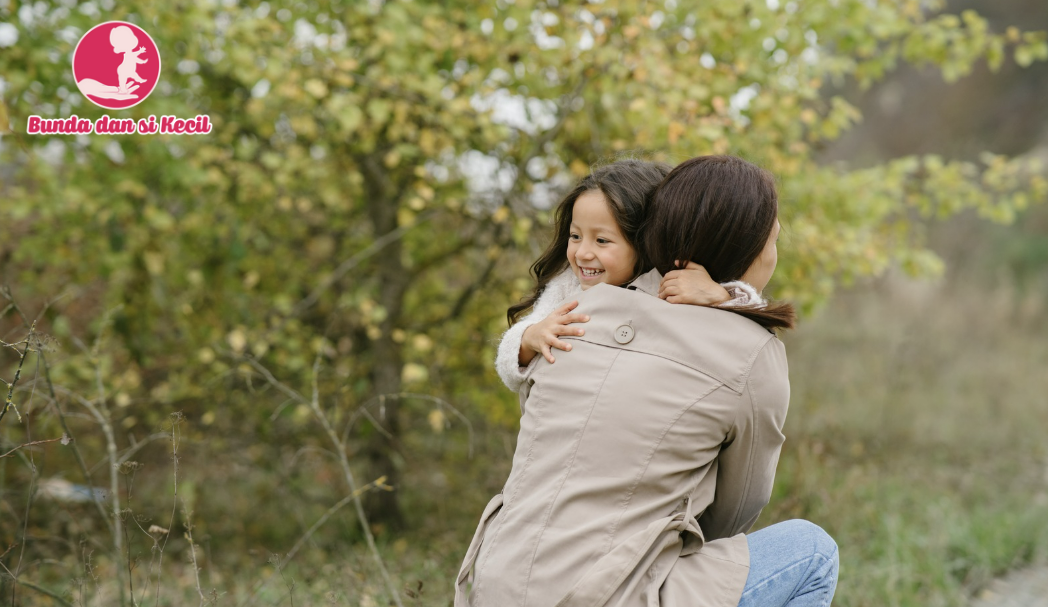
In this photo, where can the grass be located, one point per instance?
(916, 437)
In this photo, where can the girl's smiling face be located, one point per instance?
(597, 250)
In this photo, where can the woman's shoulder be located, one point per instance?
(716, 342)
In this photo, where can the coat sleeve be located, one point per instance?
(747, 461)
(512, 374)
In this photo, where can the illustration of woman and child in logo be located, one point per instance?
(123, 41)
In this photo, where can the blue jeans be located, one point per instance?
(792, 564)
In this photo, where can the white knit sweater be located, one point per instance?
(558, 289)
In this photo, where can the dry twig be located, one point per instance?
(340, 450)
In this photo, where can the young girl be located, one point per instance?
(595, 241)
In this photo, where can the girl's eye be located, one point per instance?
(602, 241)
(573, 237)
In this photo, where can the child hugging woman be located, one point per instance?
(595, 241)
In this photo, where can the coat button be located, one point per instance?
(624, 334)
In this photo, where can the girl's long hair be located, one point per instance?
(627, 185)
(717, 211)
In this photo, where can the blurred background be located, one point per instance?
(229, 350)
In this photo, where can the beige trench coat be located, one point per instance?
(644, 454)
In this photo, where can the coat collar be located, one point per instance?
(648, 283)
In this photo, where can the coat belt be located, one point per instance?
(605, 577)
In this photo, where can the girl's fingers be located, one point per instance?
(566, 330)
(567, 319)
(548, 354)
(568, 307)
(561, 345)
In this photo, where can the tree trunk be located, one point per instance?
(383, 507)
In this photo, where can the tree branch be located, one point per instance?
(64, 438)
(355, 260)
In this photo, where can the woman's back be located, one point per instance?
(606, 456)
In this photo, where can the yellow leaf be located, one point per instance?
(414, 373)
(405, 217)
(236, 340)
(349, 117)
(427, 141)
(316, 87)
(436, 420)
(422, 343)
(675, 130)
(154, 262)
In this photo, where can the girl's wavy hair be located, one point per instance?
(627, 185)
(717, 211)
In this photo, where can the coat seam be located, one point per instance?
(735, 386)
(564, 478)
(753, 358)
(505, 508)
(753, 442)
(647, 463)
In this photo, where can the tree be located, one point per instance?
(332, 210)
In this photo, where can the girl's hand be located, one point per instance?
(692, 285)
(542, 336)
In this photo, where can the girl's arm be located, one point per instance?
(507, 362)
(692, 285)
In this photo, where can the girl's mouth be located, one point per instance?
(588, 273)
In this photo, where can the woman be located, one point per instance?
(650, 447)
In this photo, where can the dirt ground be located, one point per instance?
(1024, 588)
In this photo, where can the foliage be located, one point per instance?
(375, 183)
(338, 123)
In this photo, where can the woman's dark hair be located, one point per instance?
(627, 185)
(717, 211)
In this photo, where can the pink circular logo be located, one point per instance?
(116, 65)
